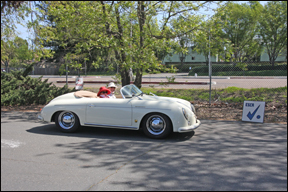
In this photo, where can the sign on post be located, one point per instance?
(253, 111)
(79, 83)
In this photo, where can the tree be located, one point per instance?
(273, 28)
(240, 27)
(185, 40)
(22, 52)
(13, 12)
(67, 45)
(126, 30)
(210, 38)
(15, 52)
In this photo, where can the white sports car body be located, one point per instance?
(156, 116)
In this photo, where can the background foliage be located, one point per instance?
(120, 35)
(19, 89)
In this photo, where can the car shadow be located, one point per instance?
(109, 133)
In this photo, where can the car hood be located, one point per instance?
(167, 99)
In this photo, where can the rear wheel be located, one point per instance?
(156, 126)
(67, 121)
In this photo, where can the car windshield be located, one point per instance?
(129, 91)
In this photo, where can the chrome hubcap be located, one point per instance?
(156, 125)
(66, 120)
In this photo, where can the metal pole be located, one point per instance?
(85, 68)
(66, 73)
(210, 71)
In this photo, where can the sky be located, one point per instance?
(208, 11)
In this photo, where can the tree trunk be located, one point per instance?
(123, 71)
(138, 80)
(125, 79)
(6, 66)
(235, 58)
(272, 61)
(182, 59)
(122, 57)
(141, 20)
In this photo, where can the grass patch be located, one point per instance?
(230, 94)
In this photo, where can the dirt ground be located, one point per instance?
(274, 113)
(233, 112)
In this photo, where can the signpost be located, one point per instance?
(253, 111)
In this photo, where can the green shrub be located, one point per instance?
(17, 88)
(230, 67)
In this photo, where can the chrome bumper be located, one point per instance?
(190, 128)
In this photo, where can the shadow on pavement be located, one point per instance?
(109, 133)
(220, 156)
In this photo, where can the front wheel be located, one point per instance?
(156, 126)
(67, 121)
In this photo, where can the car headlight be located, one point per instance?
(193, 109)
(185, 113)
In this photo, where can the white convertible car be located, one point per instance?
(156, 116)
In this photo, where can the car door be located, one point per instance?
(116, 112)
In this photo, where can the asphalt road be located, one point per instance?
(221, 155)
(217, 82)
